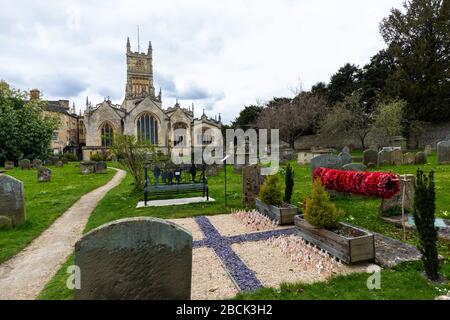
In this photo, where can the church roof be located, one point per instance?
(58, 107)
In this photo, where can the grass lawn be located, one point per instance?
(44, 202)
(403, 282)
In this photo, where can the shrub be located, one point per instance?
(97, 157)
(320, 211)
(70, 157)
(289, 183)
(270, 192)
(424, 216)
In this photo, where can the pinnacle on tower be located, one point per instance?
(150, 49)
(128, 44)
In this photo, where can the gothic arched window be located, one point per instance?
(147, 129)
(107, 135)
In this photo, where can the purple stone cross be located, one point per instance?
(244, 277)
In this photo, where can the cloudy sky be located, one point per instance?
(218, 55)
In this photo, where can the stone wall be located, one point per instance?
(432, 134)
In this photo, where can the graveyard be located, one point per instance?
(251, 240)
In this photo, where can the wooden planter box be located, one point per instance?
(357, 248)
(282, 215)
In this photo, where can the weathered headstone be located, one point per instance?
(5, 222)
(12, 203)
(397, 157)
(370, 156)
(428, 149)
(251, 182)
(9, 165)
(393, 206)
(443, 152)
(54, 160)
(346, 158)
(420, 158)
(44, 174)
(87, 167)
(384, 157)
(101, 167)
(331, 161)
(59, 164)
(346, 149)
(135, 259)
(409, 158)
(25, 164)
(36, 163)
(354, 167)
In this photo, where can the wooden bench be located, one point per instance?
(175, 187)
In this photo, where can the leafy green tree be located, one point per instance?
(247, 117)
(418, 38)
(388, 121)
(26, 132)
(424, 216)
(278, 101)
(347, 118)
(320, 88)
(345, 81)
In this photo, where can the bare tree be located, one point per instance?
(294, 118)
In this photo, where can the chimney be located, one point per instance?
(35, 94)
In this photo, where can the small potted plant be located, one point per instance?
(321, 226)
(271, 204)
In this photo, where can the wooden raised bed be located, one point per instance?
(282, 215)
(358, 247)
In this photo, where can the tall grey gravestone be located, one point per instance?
(251, 182)
(135, 259)
(370, 156)
(331, 161)
(12, 203)
(443, 152)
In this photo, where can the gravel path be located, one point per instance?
(25, 275)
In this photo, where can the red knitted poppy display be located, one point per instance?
(375, 184)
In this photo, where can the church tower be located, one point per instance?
(139, 73)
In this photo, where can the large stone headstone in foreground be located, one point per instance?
(137, 258)
(443, 152)
(251, 182)
(12, 203)
(370, 156)
(331, 161)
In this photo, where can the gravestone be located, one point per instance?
(428, 149)
(251, 182)
(101, 167)
(65, 160)
(87, 167)
(25, 164)
(346, 158)
(135, 259)
(393, 206)
(345, 149)
(9, 165)
(36, 163)
(44, 174)
(384, 157)
(54, 160)
(354, 167)
(12, 202)
(443, 152)
(409, 158)
(370, 156)
(397, 157)
(420, 158)
(331, 161)
(59, 164)
(5, 223)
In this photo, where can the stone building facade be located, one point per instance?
(141, 114)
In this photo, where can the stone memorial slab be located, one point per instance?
(428, 149)
(12, 201)
(331, 161)
(44, 174)
(87, 167)
(354, 167)
(443, 152)
(36, 163)
(101, 167)
(346, 158)
(409, 158)
(346, 149)
(9, 165)
(25, 164)
(420, 158)
(370, 156)
(397, 157)
(135, 259)
(393, 206)
(251, 182)
(59, 164)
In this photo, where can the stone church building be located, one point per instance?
(141, 114)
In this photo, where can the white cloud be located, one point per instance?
(220, 55)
